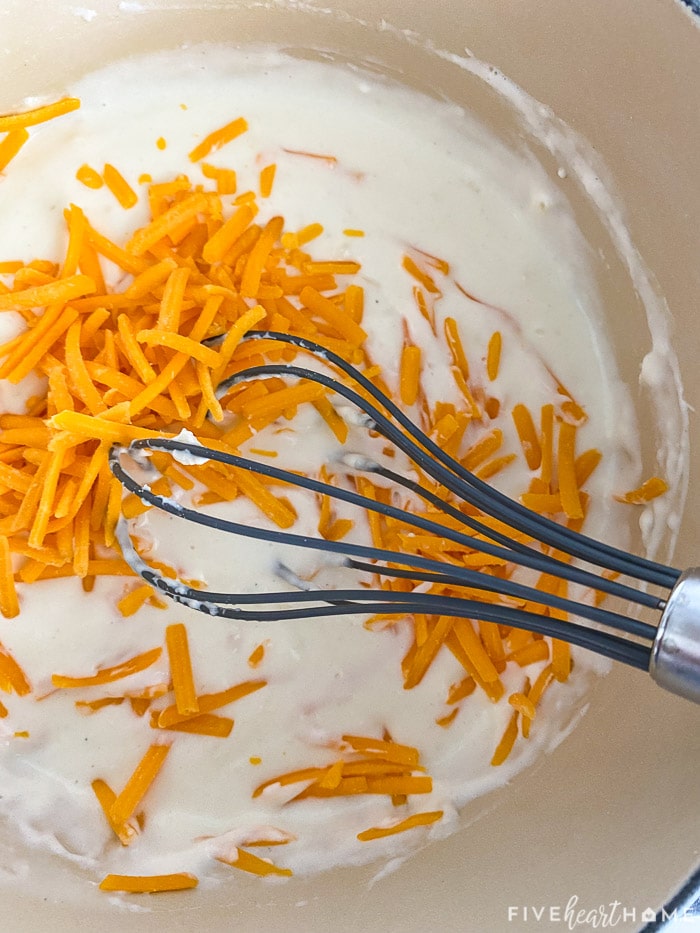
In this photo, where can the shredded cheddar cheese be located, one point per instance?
(109, 674)
(256, 656)
(181, 670)
(650, 489)
(410, 374)
(11, 145)
(416, 819)
(267, 178)
(149, 884)
(13, 121)
(119, 186)
(247, 861)
(370, 766)
(137, 786)
(107, 377)
(89, 177)
(12, 677)
(218, 138)
(207, 703)
(125, 831)
(9, 603)
(493, 358)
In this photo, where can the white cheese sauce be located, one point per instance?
(411, 172)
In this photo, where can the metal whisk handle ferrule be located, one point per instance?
(675, 655)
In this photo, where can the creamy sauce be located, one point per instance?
(410, 173)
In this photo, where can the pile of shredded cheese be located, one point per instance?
(130, 363)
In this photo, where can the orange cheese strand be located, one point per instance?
(119, 186)
(126, 832)
(343, 324)
(218, 138)
(561, 659)
(487, 470)
(222, 240)
(332, 267)
(337, 425)
(89, 177)
(267, 178)
(387, 769)
(171, 303)
(427, 652)
(276, 509)
(389, 785)
(164, 224)
(12, 677)
(108, 675)
(191, 348)
(547, 447)
(258, 256)
(585, 465)
(536, 692)
(149, 884)
(410, 374)
(454, 343)
(246, 861)
(649, 489)
(131, 603)
(568, 487)
(505, 746)
(219, 727)
(256, 656)
(9, 604)
(13, 121)
(493, 357)
(385, 749)
(276, 403)
(88, 707)
(39, 296)
(138, 784)
(181, 670)
(523, 704)
(292, 777)
(11, 145)
(89, 427)
(225, 178)
(481, 450)
(527, 433)
(245, 322)
(417, 819)
(209, 702)
(530, 653)
(425, 279)
(472, 645)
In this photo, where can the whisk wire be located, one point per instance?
(456, 576)
(633, 647)
(450, 472)
(525, 555)
(353, 602)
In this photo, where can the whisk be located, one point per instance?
(669, 650)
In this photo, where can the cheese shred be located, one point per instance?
(411, 822)
(149, 884)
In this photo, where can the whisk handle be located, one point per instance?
(675, 655)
